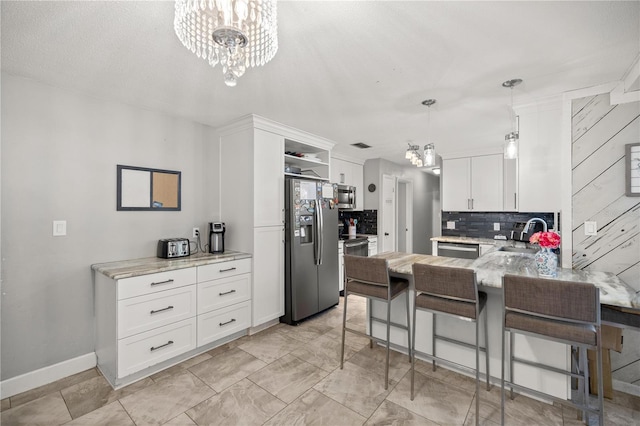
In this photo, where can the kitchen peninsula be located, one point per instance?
(489, 270)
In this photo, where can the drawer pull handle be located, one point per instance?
(162, 282)
(227, 270)
(161, 310)
(226, 292)
(228, 322)
(155, 348)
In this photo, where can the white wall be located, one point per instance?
(59, 156)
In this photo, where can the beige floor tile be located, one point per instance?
(41, 391)
(392, 414)
(225, 369)
(350, 339)
(434, 400)
(450, 377)
(614, 415)
(110, 415)
(359, 389)
(471, 415)
(288, 377)
(165, 399)
(519, 411)
(241, 404)
(229, 345)
(315, 409)
(305, 332)
(96, 392)
(49, 410)
(181, 420)
(185, 365)
(375, 359)
(5, 404)
(324, 352)
(270, 347)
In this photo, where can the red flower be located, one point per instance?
(546, 239)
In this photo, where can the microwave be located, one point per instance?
(346, 197)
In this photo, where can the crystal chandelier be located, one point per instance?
(511, 139)
(235, 33)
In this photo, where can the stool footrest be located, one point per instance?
(459, 342)
(548, 367)
(395, 324)
(448, 362)
(546, 396)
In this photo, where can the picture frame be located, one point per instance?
(146, 189)
(632, 166)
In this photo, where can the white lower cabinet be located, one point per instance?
(162, 318)
(341, 265)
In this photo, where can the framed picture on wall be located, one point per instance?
(632, 161)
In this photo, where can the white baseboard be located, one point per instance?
(46, 375)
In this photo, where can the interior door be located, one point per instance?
(388, 194)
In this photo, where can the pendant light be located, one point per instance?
(512, 138)
(429, 148)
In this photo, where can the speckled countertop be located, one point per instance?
(491, 267)
(471, 240)
(149, 265)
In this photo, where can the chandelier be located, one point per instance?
(511, 139)
(234, 33)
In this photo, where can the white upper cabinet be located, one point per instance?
(511, 185)
(473, 183)
(268, 179)
(345, 172)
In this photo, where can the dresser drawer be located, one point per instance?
(151, 283)
(217, 294)
(223, 322)
(223, 269)
(143, 313)
(142, 350)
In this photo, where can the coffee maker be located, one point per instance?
(216, 237)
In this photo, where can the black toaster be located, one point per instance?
(173, 247)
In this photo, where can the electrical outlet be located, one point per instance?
(196, 232)
(590, 228)
(451, 224)
(496, 226)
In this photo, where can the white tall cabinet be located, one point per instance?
(349, 172)
(252, 158)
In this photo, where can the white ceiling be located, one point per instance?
(348, 71)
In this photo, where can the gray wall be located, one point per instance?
(59, 155)
(426, 198)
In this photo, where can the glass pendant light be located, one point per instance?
(512, 138)
(429, 148)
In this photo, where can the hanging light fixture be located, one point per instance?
(429, 148)
(512, 138)
(235, 33)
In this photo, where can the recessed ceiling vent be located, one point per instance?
(361, 145)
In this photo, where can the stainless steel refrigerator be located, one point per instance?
(311, 248)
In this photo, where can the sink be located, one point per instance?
(518, 250)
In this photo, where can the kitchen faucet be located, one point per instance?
(528, 224)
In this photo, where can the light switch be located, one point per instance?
(590, 228)
(59, 228)
(496, 226)
(451, 224)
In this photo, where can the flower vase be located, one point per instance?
(547, 263)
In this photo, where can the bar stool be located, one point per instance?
(369, 277)
(562, 311)
(453, 292)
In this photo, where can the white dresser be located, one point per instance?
(153, 313)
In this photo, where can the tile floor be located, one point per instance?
(289, 375)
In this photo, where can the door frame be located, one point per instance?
(408, 212)
(383, 212)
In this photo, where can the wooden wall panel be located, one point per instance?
(599, 133)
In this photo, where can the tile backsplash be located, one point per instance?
(481, 224)
(367, 220)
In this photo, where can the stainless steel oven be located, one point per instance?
(346, 197)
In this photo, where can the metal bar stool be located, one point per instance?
(454, 292)
(562, 311)
(369, 277)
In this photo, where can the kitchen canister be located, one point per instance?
(352, 230)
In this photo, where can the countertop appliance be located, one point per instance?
(346, 197)
(311, 248)
(173, 247)
(459, 250)
(519, 233)
(216, 237)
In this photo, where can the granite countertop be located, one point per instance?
(149, 265)
(491, 267)
(473, 240)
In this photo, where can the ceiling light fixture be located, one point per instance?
(429, 148)
(512, 138)
(235, 33)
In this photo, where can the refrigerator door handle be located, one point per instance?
(320, 231)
